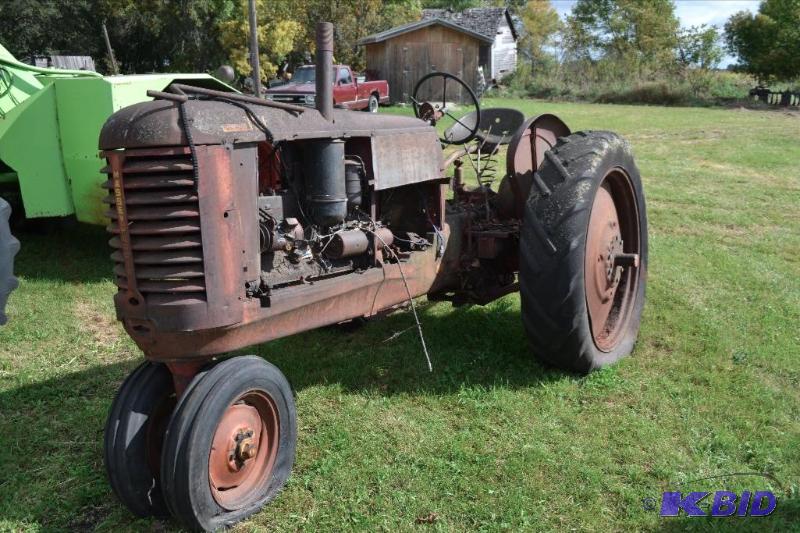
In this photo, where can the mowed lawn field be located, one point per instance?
(491, 440)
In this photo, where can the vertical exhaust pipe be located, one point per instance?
(324, 70)
(254, 59)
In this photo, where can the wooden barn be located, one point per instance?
(445, 41)
(404, 54)
(498, 60)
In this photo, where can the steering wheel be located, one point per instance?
(462, 130)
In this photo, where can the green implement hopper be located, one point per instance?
(50, 121)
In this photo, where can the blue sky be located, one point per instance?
(691, 12)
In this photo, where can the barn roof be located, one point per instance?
(482, 20)
(406, 28)
(66, 62)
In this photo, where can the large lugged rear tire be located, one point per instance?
(583, 253)
(9, 246)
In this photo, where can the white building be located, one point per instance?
(498, 59)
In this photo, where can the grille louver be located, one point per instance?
(162, 209)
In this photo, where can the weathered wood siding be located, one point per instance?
(504, 51)
(404, 59)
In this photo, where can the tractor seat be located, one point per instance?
(497, 127)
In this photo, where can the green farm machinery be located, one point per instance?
(50, 120)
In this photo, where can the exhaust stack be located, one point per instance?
(324, 70)
(254, 59)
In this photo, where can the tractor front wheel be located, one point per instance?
(230, 444)
(133, 436)
(583, 256)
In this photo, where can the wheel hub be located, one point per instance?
(609, 270)
(243, 450)
(603, 243)
(246, 447)
(613, 249)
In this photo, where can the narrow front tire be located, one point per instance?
(230, 444)
(133, 437)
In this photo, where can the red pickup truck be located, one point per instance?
(348, 92)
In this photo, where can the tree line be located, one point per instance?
(636, 51)
(193, 35)
(642, 34)
(611, 38)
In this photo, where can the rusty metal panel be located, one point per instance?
(176, 270)
(487, 247)
(296, 309)
(406, 158)
(222, 236)
(129, 296)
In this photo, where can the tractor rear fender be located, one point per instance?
(526, 152)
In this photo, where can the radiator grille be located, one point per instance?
(163, 215)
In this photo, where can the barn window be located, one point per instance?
(483, 55)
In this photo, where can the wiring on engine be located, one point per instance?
(410, 297)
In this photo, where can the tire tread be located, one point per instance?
(553, 238)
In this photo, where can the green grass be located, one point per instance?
(490, 440)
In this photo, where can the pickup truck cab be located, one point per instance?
(348, 92)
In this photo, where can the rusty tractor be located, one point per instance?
(237, 220)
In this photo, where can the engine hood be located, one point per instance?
(404, 150)
(157, 123)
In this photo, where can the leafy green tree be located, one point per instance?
(642, 30)
(42, 27)
(154, 35)
(699, 46)
(455, 5)
(287, 29)
(355, 19)
(279, 31)
(147, 35)
(767, 43)
(541, 24)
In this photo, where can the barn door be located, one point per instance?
(419, 59)
(415, 61)
(449, 57)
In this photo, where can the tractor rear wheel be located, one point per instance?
(230, 444)
(583, 255)
(9, 246)
(133, 436)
